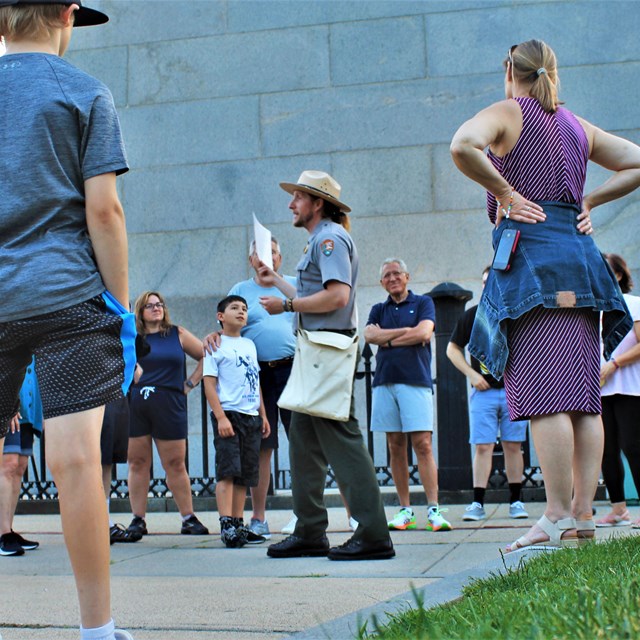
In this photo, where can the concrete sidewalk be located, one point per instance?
(173, 587)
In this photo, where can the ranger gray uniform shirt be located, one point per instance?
(330, 255)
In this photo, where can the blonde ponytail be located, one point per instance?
(534, 62)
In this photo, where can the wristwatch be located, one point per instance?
(189, 384)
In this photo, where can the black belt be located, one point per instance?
(276, 363)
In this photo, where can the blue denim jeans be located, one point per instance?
(555, 266)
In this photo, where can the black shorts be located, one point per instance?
(238, 457)
(80, 359)
(114, 438)
(158, 412)
(272, 383)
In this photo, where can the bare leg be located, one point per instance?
(513, 460)
(172, 455)
(554, 442)
(482, 462)
(139, 459)
(589, 444)
(239, 499)
(259, 493)
(12, 468)
(421, 443)
(73, 455)
(224, 496)
(399, 466)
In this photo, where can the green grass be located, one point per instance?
(583, 594)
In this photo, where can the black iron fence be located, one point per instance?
(454, 451)
(37, 484)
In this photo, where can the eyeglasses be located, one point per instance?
(392, 274)
(154, 305)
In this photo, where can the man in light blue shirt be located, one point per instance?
(275, 342)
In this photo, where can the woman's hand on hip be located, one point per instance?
(584, 220)
(515, 207)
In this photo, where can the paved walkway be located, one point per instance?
(173, 587)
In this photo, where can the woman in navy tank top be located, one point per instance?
(537, 322)
(159, 411)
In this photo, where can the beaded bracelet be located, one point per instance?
(615, 364)
(507, 212)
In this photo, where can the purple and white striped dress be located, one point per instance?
(554, 354)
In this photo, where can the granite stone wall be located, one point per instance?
(222, 99)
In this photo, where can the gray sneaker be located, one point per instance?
(475, 511)
(260, 528)
(517, 511)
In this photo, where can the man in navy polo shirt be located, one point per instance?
(402, 326)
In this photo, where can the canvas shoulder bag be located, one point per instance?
(321, 379)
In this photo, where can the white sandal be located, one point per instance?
(555, 531)
(586, 530)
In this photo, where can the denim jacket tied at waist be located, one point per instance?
(555, 266)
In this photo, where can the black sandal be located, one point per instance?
(117, 533)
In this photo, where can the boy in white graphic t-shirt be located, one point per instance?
(232, 388)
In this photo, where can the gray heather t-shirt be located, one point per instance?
(58, 128)
(330, 255)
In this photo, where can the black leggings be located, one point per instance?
(621, 418)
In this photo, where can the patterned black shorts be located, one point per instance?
(79, 359)
(238, 457)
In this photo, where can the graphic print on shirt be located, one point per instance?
(251, 375)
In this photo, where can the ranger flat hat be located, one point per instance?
(84, 17)
(319, 184)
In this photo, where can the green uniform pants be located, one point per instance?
(315, 443)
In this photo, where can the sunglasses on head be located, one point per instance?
(509, 59)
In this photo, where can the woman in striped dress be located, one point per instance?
(537, 323)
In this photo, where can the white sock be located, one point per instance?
(185, 518)
(111, 522)
(104, 632)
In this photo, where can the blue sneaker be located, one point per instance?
(475, 511)
(260, 528)
(517, 510)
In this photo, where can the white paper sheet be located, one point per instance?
(262, 237)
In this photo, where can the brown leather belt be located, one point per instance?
(277, 363)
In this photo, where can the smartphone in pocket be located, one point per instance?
(506, 249)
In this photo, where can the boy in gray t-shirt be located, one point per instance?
(63, 271)
(232, 388)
